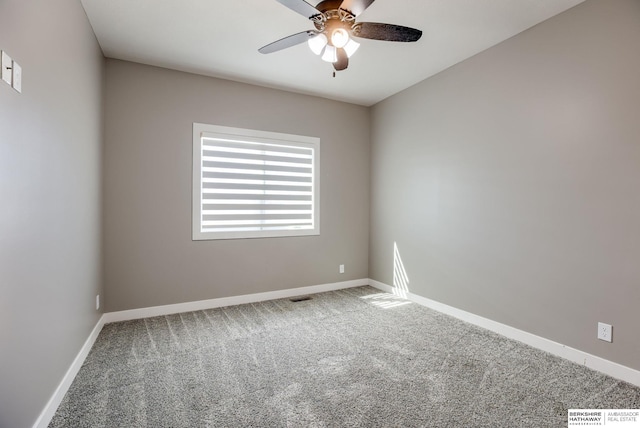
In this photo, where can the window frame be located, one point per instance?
(202, 130)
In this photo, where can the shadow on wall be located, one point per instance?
(400, 286)
(400, 278)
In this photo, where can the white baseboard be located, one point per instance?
(155, 311)
(607, 367)
(50, 409)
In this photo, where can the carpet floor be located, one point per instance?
(348, 358)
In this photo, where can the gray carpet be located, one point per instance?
(350, 358)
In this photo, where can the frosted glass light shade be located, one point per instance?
(339, 38)
(317, 43)
(330, 54)
(351, 47)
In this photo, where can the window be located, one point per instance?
(254, 184)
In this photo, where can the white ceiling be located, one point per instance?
(221, 39)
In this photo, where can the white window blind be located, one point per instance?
(250, 184)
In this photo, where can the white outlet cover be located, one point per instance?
(17, 77)
(605, 332)
(6, 63)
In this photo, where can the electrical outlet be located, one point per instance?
(604, 332)
(341, 268)
(97, 302)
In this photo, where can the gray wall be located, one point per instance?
(50, 148)
(510, 182)
(150, 258)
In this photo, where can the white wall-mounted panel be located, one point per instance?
(6, 65)
(17, 77)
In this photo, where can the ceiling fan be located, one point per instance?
(335, 30)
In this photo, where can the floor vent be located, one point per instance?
(300, 298)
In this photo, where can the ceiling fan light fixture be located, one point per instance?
(339, 38)
(317, 43)
(330, 54)
(351, 47)
(335, 25)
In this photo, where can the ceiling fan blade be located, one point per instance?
(387, 32)
(356, 7)
(287, 42)
(343, 60)
(300, 6)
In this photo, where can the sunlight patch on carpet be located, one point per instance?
(385, 300)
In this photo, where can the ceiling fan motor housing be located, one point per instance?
(333, 18)
(327, 5)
